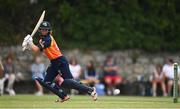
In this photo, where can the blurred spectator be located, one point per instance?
(10, 72)
(76, 71)
(75, 68)
(1, 69)
(38, 70)
(179, 83)
(168, 71)
(2, 79)
(91, 76)
(111, 77)
(158, 78)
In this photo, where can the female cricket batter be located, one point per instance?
(59, 64)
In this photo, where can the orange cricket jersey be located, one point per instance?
(52, 52)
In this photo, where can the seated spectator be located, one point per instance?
(168, 71)
(2, 79)
(179, 83)
(75, 68)
(111, 77)
(91, 76)
(1, 69)
(158, 78)
(38, 70)
(10, 72)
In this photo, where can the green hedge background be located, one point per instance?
(150, 25)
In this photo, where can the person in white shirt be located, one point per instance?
(75, 68)
(168, 71)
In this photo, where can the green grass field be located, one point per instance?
(85, 102)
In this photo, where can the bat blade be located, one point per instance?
(38, 24)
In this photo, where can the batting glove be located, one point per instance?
(27, 42)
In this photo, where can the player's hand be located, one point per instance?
(28, 39)
(27, 42)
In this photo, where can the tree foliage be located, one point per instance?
(151, 25)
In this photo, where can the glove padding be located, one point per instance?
(27, 42)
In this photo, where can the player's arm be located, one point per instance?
(28, 44)
(34, 48)
(45, 43)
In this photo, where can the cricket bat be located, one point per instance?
(37, 25)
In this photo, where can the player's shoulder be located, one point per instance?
(46, 38)
(52, 38)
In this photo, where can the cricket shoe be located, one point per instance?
(94, 94)
(63, 100)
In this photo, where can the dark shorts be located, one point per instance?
(58, 66)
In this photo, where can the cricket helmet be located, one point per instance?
(45, 25)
